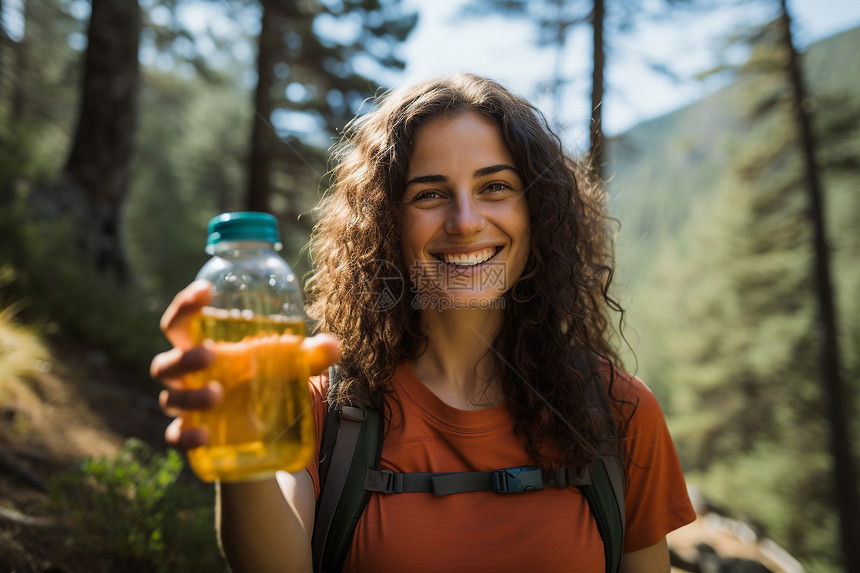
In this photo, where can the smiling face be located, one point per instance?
(465, 225)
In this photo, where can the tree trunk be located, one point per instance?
(260, 159)
(596, 156)
(558, 82)
(557, 85)
(18, 68)
(97, 172)
(5, 50)
(838, 400)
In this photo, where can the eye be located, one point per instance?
(426, 194)
(498, 188)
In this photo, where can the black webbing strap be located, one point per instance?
(616, 478)
(508, 480)
(605, 496)
(351, 442)
(351, 419)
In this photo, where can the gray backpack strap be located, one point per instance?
(605, 496)
(351, 419)
(351, 443)
(616, 478)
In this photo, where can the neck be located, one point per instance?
(456, 365)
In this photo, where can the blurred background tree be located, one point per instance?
(830, 371)
(97, 173)
(555, 20)
(309, 61)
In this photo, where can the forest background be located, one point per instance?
(122, 131)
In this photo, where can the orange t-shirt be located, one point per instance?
(547, 530)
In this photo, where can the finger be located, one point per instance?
(170, 366)
(183, 438)
(186, 304)
(175, 402)
(322, 351)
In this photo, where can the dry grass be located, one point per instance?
(23, 357)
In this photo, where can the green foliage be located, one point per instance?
(18, 156)
(47, 274)
(716, 245)
(188, 168)
(318, 62)
(38, 98)
(327, 57)
(759, 483)
(132, 512)
(739, 324)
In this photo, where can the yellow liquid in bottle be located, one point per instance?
(264, 422)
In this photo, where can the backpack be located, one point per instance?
(350, 449)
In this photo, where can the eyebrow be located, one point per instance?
(482, 172)
(427, 179)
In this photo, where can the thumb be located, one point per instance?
(322, 351)
(176, 321)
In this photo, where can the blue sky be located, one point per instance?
(445, 42)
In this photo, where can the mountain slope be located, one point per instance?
(663, 168)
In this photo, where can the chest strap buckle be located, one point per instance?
(518, 479)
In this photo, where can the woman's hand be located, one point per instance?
(173, 366)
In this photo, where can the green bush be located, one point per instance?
(132, 512)
(55, 285)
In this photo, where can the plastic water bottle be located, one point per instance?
(256, 322)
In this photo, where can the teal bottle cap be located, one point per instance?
(242, 226)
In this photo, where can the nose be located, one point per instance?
(464, 217)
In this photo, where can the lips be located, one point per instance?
(468, 259)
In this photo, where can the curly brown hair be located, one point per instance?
(556, 333)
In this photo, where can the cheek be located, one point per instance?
(524, 250)
(525, 232)
(407, 242)
(524, 243)
(416, 231)
(411, 245)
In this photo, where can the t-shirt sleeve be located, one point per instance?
(656, 499)
(318, 386)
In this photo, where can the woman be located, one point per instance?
(494, 351)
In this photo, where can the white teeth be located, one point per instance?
(469, 260)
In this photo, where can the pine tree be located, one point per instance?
(309, 57)
(833, 387)
(555, 20)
